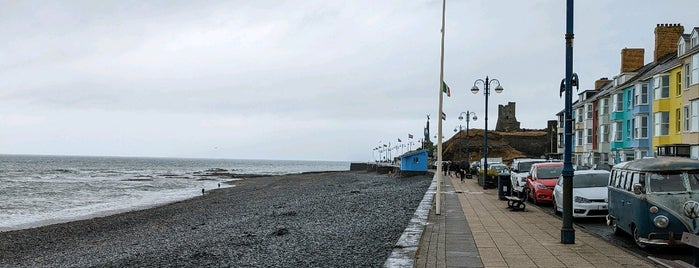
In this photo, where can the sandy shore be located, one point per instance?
(333, 219)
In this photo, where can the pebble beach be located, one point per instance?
(324, 219)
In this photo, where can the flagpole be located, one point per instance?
(438, 198)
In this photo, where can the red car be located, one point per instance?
(542, 179)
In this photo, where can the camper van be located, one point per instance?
(654, 200)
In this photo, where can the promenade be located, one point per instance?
(476, 229)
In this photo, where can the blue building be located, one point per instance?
(414, 161)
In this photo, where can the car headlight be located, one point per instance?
(661, 221)
(540, 186)
(580, 199)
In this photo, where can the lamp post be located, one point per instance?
(468, 119)
(567, 231)
(486, 91)
(458, 130)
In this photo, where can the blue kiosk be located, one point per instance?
(413, 163)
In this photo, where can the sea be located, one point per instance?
(40, 190)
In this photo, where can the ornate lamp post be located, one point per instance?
(486, 91)
(468, 117)
(567, 231)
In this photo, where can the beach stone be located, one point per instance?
(299, 220)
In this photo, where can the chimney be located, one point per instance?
(601, 82)
(631, 59)
(666, 36)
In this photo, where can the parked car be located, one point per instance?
(519, 172)
(500, 168)
(541, 180)
(589, 194)
(655, 200)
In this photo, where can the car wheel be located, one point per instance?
(636, 238)
(532, 194)
(554, 206)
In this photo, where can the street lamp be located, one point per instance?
(468, 117)
(498, 89)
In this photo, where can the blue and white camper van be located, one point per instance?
(655, 200)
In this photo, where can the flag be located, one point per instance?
(410, 136)
(399, 140)
(446, 89)
(444, 116)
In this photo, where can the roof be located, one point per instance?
(603, 90)
(591, 171)
(663, 163)
(548, 164)
(524, 160)
(411, 153)
(648, 70)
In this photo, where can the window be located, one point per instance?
(579, 112)
(687, 75)
(640, 130)
(561, 141)
(589, 111)
(618, 102)
(662, 123)
(629, 100)
(695, 69)
(678, 120)
(695, 40)
(670, 181)
(678, 90)
(579, 136)
(604, 133)
(661, 84)
(641, 94)
(605, 106)
(629, 126)
(694, 116)
(640, 154)
(616, 127)
(629, 175)
(680, 48)
(686, 118)
(589, 136)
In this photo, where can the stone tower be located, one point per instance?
(506, 118)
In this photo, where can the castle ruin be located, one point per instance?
(506, 118)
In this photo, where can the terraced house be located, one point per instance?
(645, 110)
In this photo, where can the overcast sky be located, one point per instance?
(310, 80)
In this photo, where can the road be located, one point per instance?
(598, 227)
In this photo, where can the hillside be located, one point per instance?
(508, 145)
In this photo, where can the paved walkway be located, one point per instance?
(475, 229)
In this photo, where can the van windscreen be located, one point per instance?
(666, 182)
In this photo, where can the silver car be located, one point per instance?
(589, 194)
